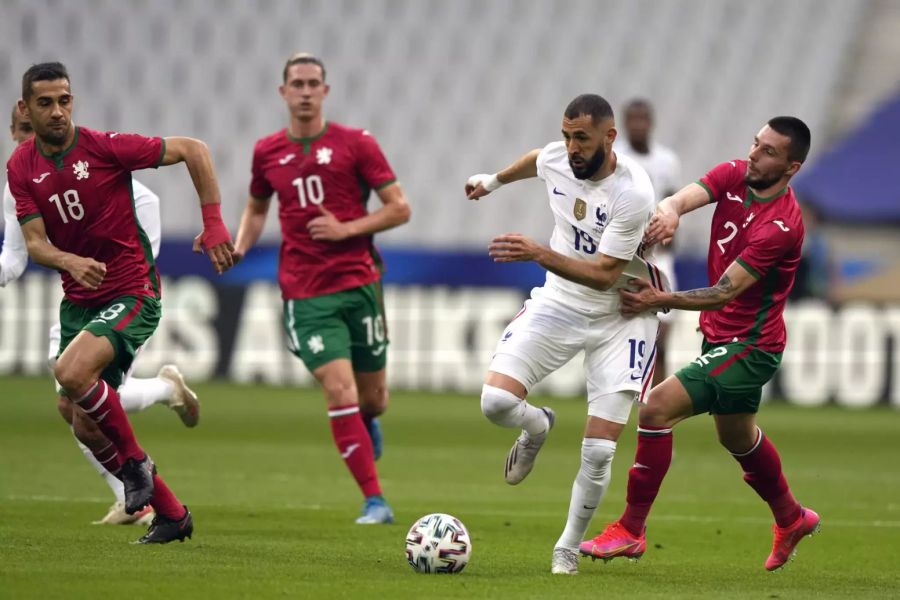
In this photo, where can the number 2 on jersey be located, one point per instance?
(309, 189)
(721, 243)
(73, 205)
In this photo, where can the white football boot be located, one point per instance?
(117, 516)
(565, 562)
(520, 459)
(184, 401)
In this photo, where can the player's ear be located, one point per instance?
(792, 170)
(23, 108)
(325, 89)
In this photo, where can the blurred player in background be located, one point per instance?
(601, 204)
(664, 169)
(329, 269)
(754, 250)
(75, 204)
(136, 394)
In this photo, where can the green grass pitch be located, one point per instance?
(274, 506)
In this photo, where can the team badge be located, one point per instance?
(81, 170)
(580, 209)
(323, 155)
(601, 218)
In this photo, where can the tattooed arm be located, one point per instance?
(731, 285)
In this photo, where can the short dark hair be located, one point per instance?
(591, 105)
(640, 103)
(797, 131)
(302, 58)
(49, 71)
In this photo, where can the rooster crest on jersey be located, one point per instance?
(81, 169)
(580, 209)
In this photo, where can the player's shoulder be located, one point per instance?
(554, 154)
(21, 155)
(631, 181)
(340, 133)
(271, 142)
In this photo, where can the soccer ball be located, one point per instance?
(438, 543)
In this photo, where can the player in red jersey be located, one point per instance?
(329, 269)
(757, 234)
(72, 187)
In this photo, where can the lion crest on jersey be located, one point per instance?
(323, 155)
(580, 209)
(81, 169)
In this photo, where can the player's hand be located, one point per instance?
(661, 228)
(327, 228)
(637, 298)
(481, 185)
(514, 247)
(221, 253)
(87, 272)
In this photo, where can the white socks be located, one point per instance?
(139, 394)
(508, 410)
(588, 489)
(114, 484)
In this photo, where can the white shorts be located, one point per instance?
(619, 353)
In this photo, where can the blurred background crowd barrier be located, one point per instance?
(454, 87)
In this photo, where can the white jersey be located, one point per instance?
(660, 163)
(606, 217)
(14, 255)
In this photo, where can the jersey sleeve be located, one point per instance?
(14, 254)
(721, 178)
(259, 185)
(26, 207)
(541, 162)
(627, 222)
(768, 243)
(371, 163)
(146, 206)
(134, 152)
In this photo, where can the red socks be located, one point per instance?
(353, 442)
(651, 462)
(101, 403)
(164, 501)
(762, 471)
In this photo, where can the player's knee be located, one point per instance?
(499, 405)
(374, 401)
(64, 406)
(597, 455)
(655, 414)
(70, 377)
(340, 393)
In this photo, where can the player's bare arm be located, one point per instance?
(86, 271)
(643, 296)
(214, 237)
(483, 184)
(394, 211)
(663, 224)
(252, 222)
(600, 273)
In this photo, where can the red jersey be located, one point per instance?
(84, 196)
(337, 169)
(765, 236)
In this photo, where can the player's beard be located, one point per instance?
(54, 137)
(761, 183)
(590, 167)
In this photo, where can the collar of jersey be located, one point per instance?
(306, 141)
(57, 157)
(754, 198)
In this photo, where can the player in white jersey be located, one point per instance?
(664, 169)
(167, 388)
(601, 204)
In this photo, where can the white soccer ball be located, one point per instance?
(438, 543)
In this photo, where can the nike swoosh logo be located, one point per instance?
(41, 178)
(637, 377)
(557, 192)
(286, 159)
(731, 196)
(377, 351)
(586, 507)
(638, 465)
(350, 450)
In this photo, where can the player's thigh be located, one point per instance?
(666, 404)
(366, 321)
(620, 357)
(540, 339)
(316, 331)
(728, 378)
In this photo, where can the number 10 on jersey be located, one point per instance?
(309, 189)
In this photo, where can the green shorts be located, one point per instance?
(728, 378)
(348, 324)
(127, 322)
